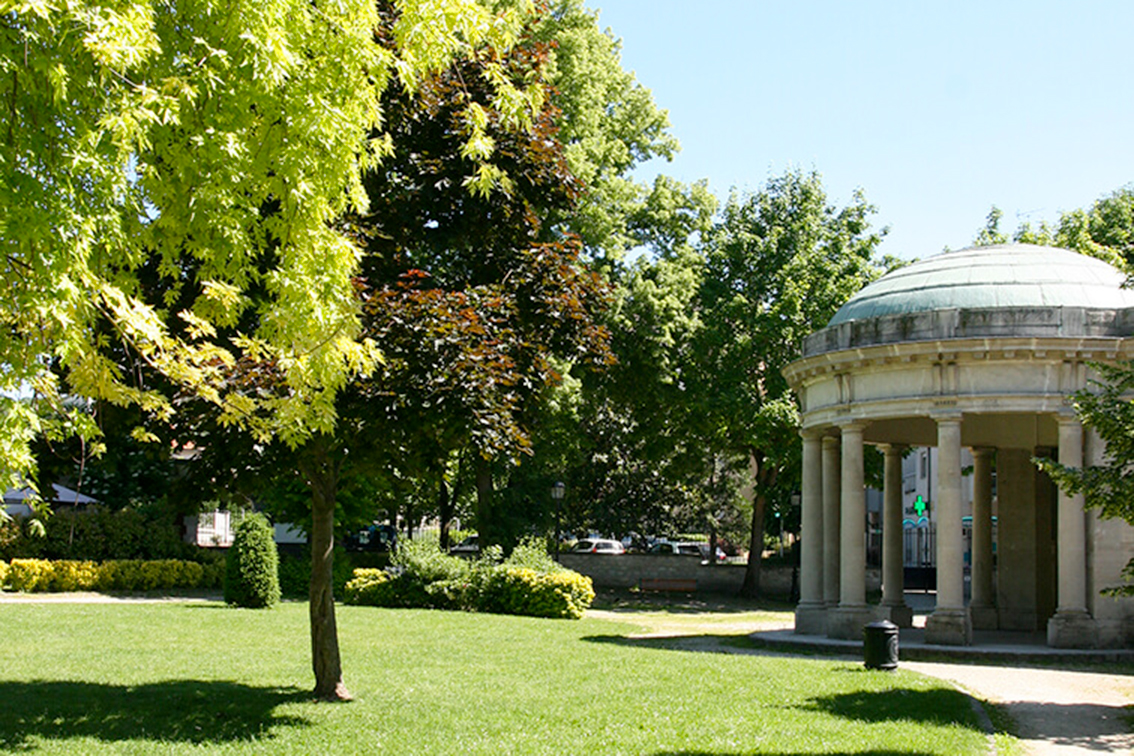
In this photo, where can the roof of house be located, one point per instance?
(62, 495)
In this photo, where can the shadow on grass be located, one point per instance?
(184, 711)
(939, 707)
(706, 642)
(797, 753)
(681, 603)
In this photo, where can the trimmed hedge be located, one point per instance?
(295, 571)
(42, 575)
(252, 578)
(97, 534)
(530, 585)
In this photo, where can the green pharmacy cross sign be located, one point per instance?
(920, 506)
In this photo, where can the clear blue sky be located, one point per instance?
(937, 110)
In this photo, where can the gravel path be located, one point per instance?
(1058, 713)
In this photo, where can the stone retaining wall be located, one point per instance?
(629, 570)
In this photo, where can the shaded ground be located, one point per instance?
(1056, 712)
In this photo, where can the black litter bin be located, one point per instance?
(880, 645)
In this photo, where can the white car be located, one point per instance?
(598, 546)
(683, 549)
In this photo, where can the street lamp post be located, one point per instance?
(557, 496)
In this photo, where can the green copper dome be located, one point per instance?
(1006, 275)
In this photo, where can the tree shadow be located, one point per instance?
(1086, 727)
(764, 752)
(630, 602)
(938, 706)
(722, 643)
(185, 711)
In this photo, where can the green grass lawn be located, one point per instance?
(203, 678)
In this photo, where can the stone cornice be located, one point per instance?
(954, 351)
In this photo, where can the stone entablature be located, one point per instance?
(946, 325)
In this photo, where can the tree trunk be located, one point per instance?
(751, 585)
(444, 512)
(325, 661)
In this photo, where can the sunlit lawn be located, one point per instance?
(179, 678)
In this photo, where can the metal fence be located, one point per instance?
(919, 547)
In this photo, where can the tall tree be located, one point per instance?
(219, 137)
(779, 263)
(464, 296)
(213, 145)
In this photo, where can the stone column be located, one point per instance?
(894, 606)
(811, 613)
(832, 492)
(982, 608)
(1072, 626)
(950, 623)
(847, 621)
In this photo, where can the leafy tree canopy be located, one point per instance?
(221, 138)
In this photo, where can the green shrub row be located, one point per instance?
(43, 575)
(97, 534)
(528, 583)
(295, 571)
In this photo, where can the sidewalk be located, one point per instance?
(1057, 712)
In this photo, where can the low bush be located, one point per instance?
(28, 575)
(528, 583)
(139, 575)
(295, 571)
(42, 575)
(423, 560)
(71, 575)
(523, 591)
(532, 553)
(295, 576)
(366, 587)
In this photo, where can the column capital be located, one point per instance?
(893, 448)
(811, 434)
(982, 451)
(945, 417)
(853, 425)
(1068, 418)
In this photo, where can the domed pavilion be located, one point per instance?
(979, 348)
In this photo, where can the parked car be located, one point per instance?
(470, 546)
(372, 538)
(681, 548)
(598, 546)
(704, 550)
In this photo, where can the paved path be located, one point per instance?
(1058, 713)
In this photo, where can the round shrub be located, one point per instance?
(4, 569)
(523, 591)
(252, 575)
(366, 587)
